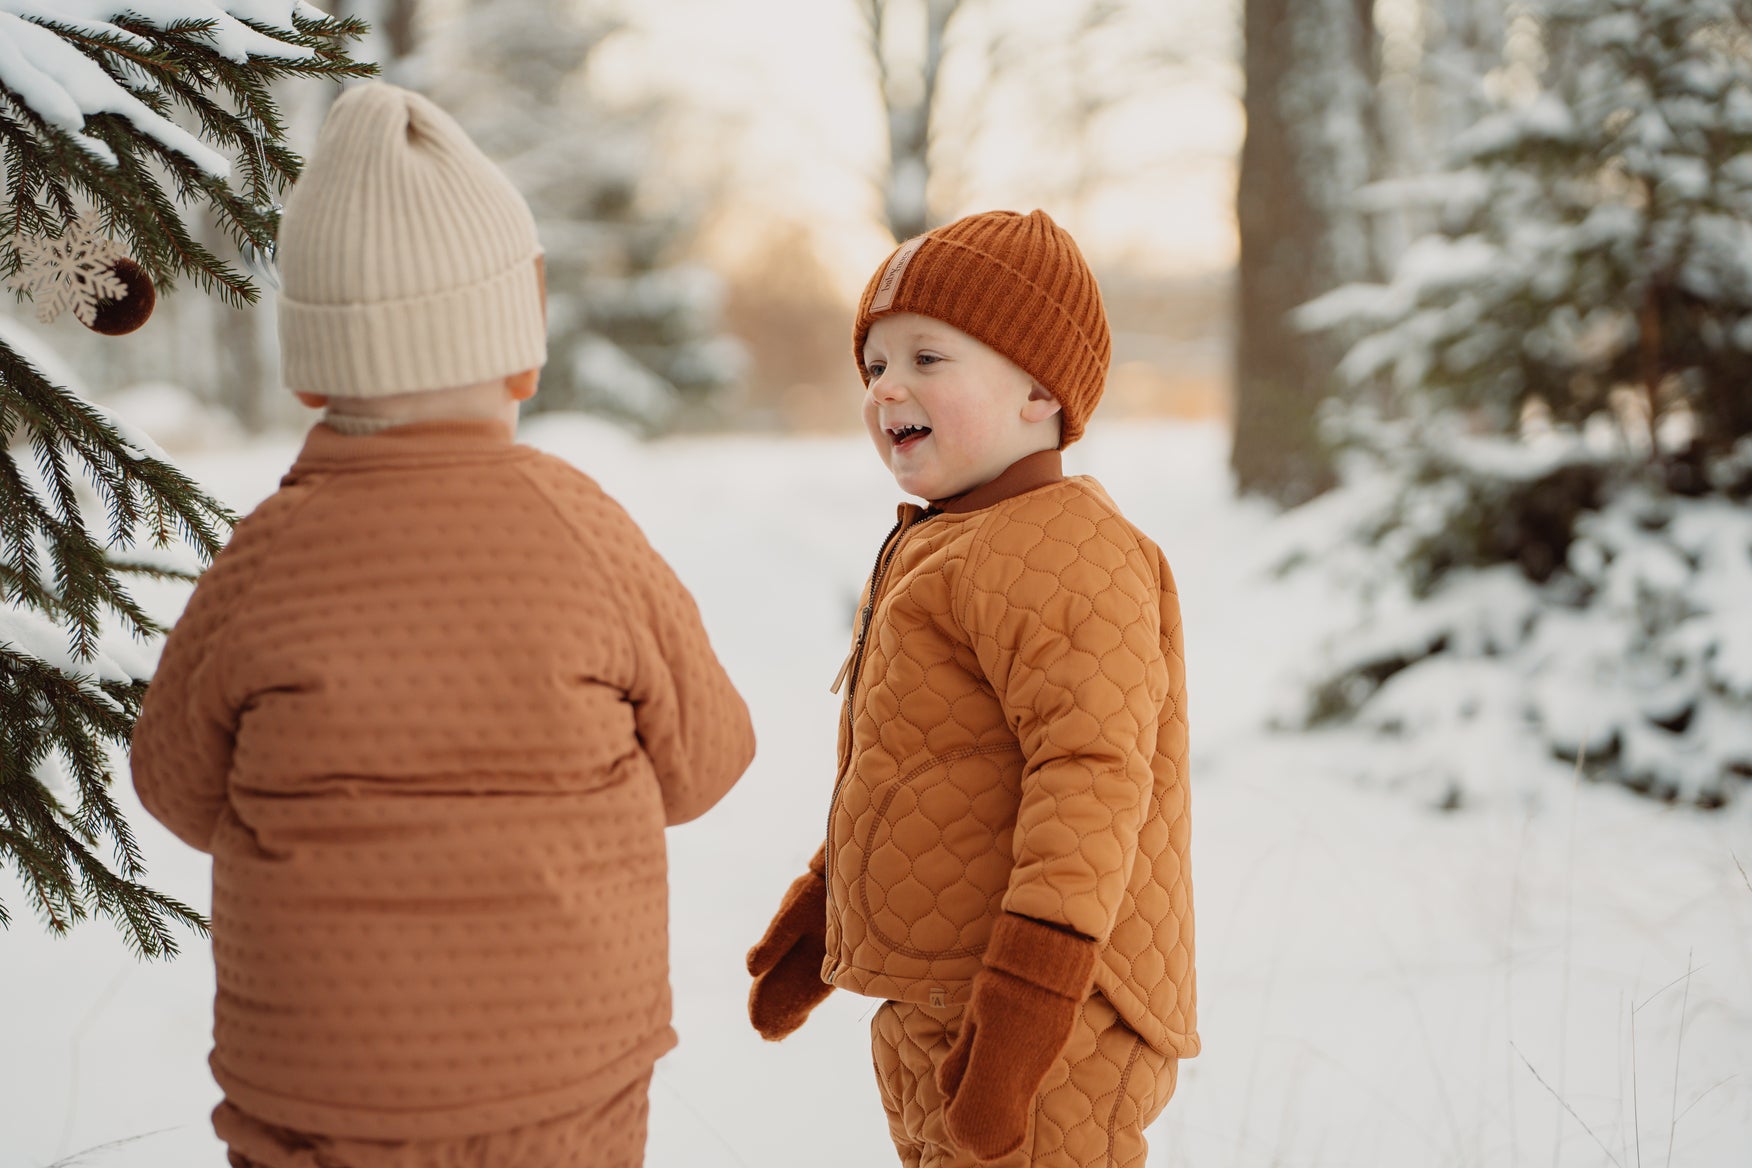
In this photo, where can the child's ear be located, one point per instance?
(1040, 405)
(315, 401)
(521, 386)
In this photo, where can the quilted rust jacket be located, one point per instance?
(430, 710)
(1015, 739)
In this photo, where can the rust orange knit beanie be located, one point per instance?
(1014, 282)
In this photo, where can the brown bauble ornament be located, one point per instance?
(128, 312)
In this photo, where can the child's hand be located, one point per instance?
(786, 963)
(1024, 1006)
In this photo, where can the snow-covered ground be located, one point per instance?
(1380, 983)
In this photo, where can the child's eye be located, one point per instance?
(928, 358)
(874, 369)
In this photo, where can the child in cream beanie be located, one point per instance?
(411, 275)
(430, 710)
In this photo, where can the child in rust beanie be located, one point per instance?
(1007, 855)
(431, 709)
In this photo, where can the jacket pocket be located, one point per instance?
(936, 852)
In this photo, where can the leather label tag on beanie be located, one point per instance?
(893, 272)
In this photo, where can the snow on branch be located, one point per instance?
(64, 86)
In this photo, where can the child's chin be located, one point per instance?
(927, 479)
(914, 483)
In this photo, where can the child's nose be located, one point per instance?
(887, 387)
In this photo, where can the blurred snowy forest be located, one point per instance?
(1540, 406)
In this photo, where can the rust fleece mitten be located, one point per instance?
(786, 963)
(1023, 1007)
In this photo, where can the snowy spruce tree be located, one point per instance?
(633, 333)
(95, 98)
(1550, 428)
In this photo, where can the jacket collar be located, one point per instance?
(1025, 474)
(446, 441)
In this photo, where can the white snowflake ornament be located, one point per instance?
(76, 271)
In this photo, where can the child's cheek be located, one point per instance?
(877, 437)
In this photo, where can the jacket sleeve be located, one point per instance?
(692, 723)
(1065, 621)
(180, 753)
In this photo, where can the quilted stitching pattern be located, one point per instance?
(430, 710)
(1017, 741)
(958, 873)
(1104, 1090)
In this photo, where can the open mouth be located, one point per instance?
(904, 437)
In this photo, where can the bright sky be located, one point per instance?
(785, 111)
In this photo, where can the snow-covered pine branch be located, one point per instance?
(64, 86)
(118, 118)
(1594, 236)
(1588, 293)
(90, 93)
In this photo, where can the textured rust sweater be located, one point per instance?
(430, 711)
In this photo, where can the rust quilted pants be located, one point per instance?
(611, 1135)
(1091, 1112)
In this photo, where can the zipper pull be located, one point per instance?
(845, 668)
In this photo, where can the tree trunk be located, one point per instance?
(1308, 145)
(909, 101)
(398, 26)
(394, 30)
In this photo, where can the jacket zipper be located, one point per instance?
(869, 607)
(854, 663)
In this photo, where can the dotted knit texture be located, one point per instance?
(1017, 742)
(610, 1134)
(1102, 1092)
(430, 710)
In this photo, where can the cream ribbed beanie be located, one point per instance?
(407, 259)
